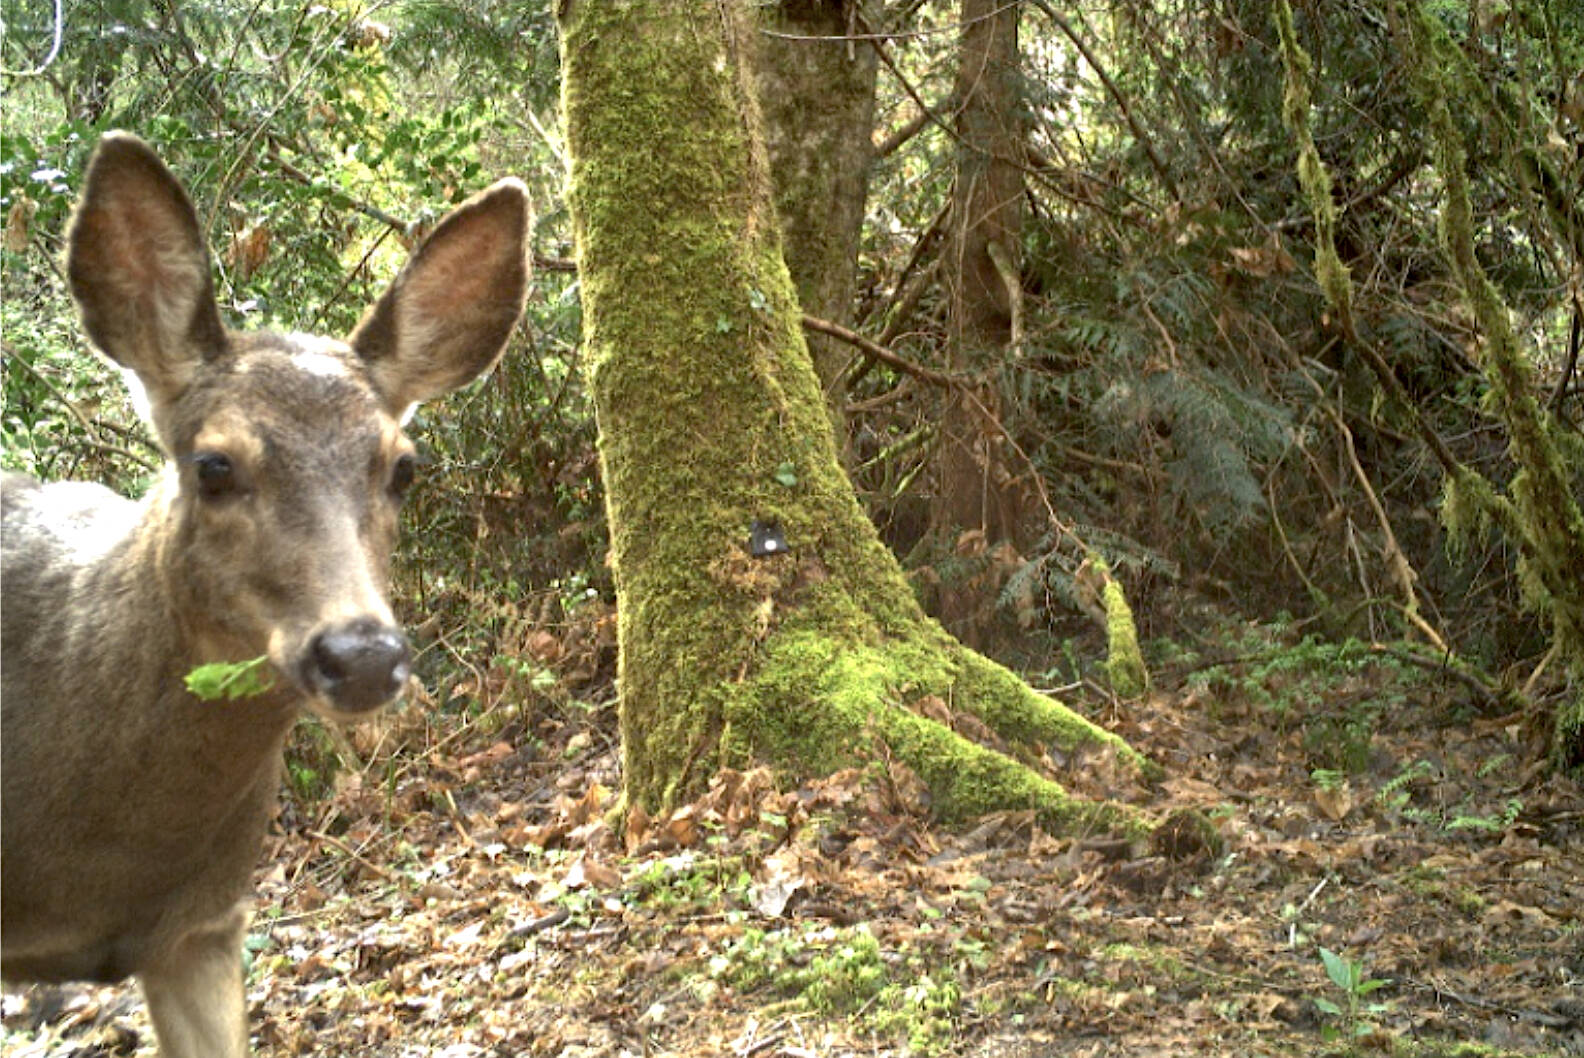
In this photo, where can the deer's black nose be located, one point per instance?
(359, 665)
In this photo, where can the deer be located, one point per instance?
(132, 812)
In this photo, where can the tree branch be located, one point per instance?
(913, 125)
(880, 353)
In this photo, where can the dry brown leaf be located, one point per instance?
(18, 224)
(589, 805)
(1334, 803)
(635, 827)
(682, 827)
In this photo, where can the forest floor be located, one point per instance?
(466, 896)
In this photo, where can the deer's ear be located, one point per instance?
(446, 318)
(137, 265)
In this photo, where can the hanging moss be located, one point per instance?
(1336, 282)
(1548, 526)
(1539, 515)
(711, 418)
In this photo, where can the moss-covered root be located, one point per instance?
(968, 780)
(1017, 712)
(818, 705)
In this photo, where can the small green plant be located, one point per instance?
(312, 762)
(690, 880)
(1342, 741)
(1467, 900)
(1304, 681)
(1353, 1014)
(845, 973)
(925, 1012)
(1327, 779)
(1490, 824)
(1395, 795)
(1494, 765)
(231, 680)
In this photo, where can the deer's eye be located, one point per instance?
(402, 475)
(217, 476)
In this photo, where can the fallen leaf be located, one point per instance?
(1334, 803)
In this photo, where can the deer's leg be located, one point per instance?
(196, 996)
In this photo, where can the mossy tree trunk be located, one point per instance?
(817, 96)
(817, 656)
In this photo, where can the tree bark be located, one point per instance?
(815, 656)
(817, 96)
(976, 491)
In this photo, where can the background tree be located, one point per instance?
(1185, 393)
(816, 86)
(983, 271)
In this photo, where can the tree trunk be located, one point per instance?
(976, 491)
(817, 95)
(815, 655)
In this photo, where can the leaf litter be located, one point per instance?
(474, 892)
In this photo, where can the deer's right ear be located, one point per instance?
(139, 269)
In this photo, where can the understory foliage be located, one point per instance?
(1191, 398)
(1186, 400)
(1540, 517)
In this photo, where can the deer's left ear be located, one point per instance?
(447, 316)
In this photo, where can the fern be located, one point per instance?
(1106, 339)
(1180, 301)
(1218, 433)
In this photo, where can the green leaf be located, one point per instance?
(1328, 1007)
(231, 679)
(1338, 969)
(786, 474)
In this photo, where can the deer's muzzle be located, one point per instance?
(357, 665)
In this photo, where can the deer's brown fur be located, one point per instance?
(132, 811)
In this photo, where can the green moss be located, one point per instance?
(1406, 1047)
(1331, 274)
(827, 703)
(1162, 964)
(1124, 661)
